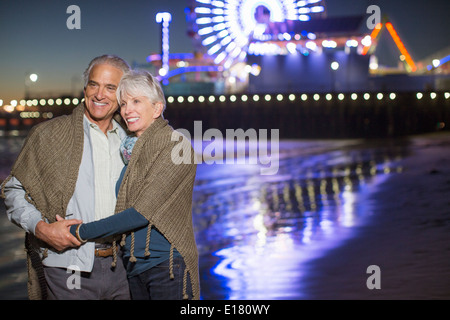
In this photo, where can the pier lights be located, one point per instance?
(29, 79)
(164, 18)
(334, 66)
(33, 77)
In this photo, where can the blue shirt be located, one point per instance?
(159, 246)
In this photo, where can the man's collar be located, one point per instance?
(115, 125)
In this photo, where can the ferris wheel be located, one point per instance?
(230, 29)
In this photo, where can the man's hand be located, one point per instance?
(57, 234)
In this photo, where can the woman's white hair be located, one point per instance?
(137, 83)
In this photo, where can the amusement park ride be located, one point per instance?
(271, 47)
(229, 34)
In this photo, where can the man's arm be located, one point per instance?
(26, 216)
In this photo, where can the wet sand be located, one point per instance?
(408, 236)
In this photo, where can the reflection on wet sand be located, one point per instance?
(254, 231)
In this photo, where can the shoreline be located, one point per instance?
(406, 237)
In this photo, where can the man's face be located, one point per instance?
(100, 93)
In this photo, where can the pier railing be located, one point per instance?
(296, 115)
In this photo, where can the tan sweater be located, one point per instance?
(48, 165)
(161, 191)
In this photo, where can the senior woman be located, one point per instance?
(154, 199)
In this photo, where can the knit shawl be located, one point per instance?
(161, 189)
(48, 163)
(47, 167)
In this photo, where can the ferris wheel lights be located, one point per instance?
(217, 3)
(230, 29)
(230, 47)
(220, 57)
(205, 31)
(219, 27)
(209, 40)
(225, 41)
(204, 20)
(217, 11)
(317, 9)
(218, 19)
(213, 50)
(202, 10)
(304, 17)
(223, 34)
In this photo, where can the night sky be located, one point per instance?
(34, 37)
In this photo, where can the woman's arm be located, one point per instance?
(121, 222)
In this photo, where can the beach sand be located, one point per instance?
(408, 237)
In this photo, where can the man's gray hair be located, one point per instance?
(109, 59)
(136, 83)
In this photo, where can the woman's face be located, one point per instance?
(139, 113)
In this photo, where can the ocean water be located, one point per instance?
(253, 231)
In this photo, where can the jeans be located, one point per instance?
(155, 283)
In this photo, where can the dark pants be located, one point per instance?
(103, 283)
(155, 283)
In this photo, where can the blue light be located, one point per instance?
(445, 60)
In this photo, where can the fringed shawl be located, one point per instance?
(161, 190)
(47, 167)
(48, 163)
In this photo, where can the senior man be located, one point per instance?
(67, 169)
